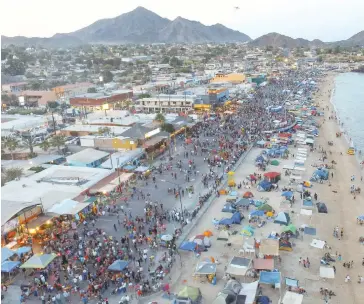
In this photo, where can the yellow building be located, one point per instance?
(233, 78)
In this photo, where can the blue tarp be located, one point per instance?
(287, 194)
(319, 174)
(265, 185)
(118, 265)
(307, 203)
(361, 217)
(9, 266)
(291, 282)
(271, 278)
(23, 250)
(226, 221)
(263, 300)
(188, 246)
(6, 253)
(310, 230)
(257, 213)
(236, 218)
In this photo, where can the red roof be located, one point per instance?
(272, 174)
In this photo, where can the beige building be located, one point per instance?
(36, 98)
(166, 104)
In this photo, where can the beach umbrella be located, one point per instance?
(39, 261)
(118, 265)
(6, 253)
(166, 237)
(23, 250)
(9, 266)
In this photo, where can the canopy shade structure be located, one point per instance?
(249, 290)
(9, 266)
(263, 264)
(205, 268)
(68, 206)
(39, 261)
(291, 282)
(23, 250)
(292, 298)
(269, 247)
(327, 272)
(118, 265)
(6, 253)
(238, 266)
(271, 278)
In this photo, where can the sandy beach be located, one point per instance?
(343, 210)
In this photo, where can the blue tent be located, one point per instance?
(264, 185)
(243, 202)
(226, 221)
(271, 278)
(310, 230)
(23, 250)
(257, 213)
(263, 300)
(236, 218)
(361, 217)
(188, 246)
(307, 203)
(287, 194)
(118, 265)
(282, 218)
(6, 253)
(229, 208)
(260, 159)
(9, 266)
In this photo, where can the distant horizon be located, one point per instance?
(327, 20)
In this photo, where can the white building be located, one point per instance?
(166, 104)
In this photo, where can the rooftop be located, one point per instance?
(120, 159)
(116, 130)
(101, 95)
(48, 187)
(87, 156)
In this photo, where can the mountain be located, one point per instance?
(138, 26)
(357, 39)
(278, 40)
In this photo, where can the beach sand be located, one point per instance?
(342, 211)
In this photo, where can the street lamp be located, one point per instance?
(179, 194)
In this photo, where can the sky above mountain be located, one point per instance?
(328, 20)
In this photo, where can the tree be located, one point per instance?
(29, 142)
(107, 76)
(58, 141)
(165, 60)
(45, 145)
(91, 90)
(104, 130)
(144, 95)
(337, 49)
(35, 86)
(167, 127)
(175, 62)
(12, 174)
(15, 67)
(11, 144)
(160, 118)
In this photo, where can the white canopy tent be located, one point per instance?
(67, 206)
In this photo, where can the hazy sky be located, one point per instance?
(328, 20)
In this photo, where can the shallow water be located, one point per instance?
(348, 100)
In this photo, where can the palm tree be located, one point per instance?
(45, 145)
(11, 144)
(58, 141)
(29, 142)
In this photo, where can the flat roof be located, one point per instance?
(87, 156)
(101, 95)
(26, 164)
(121, 158)
(117, 130)
(47, 187)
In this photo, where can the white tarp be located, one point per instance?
(249, 290)
(318, 244)
(67, 206)
(306, 212)
(327, 272)
(292, 298)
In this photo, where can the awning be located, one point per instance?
(9, 266)
(39, 221)
(68, 206)
(111, 186)
(39, 261)
(264, 264)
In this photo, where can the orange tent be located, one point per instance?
(207, 233)
(248, 194)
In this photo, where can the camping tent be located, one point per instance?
(247, 230)
(248, 194)
(290, 229)
(257, 213)
(264, 185)
(265, 207)
(236, 218)
(321, 208)
(189, 292)
(238, 266)
(272, 177)
(274, 162)
(118, 265)
(243, 202)
(229, 208)
(285, 245)
(282, 218)
(39, 261)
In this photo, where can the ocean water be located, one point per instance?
(348, 100)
